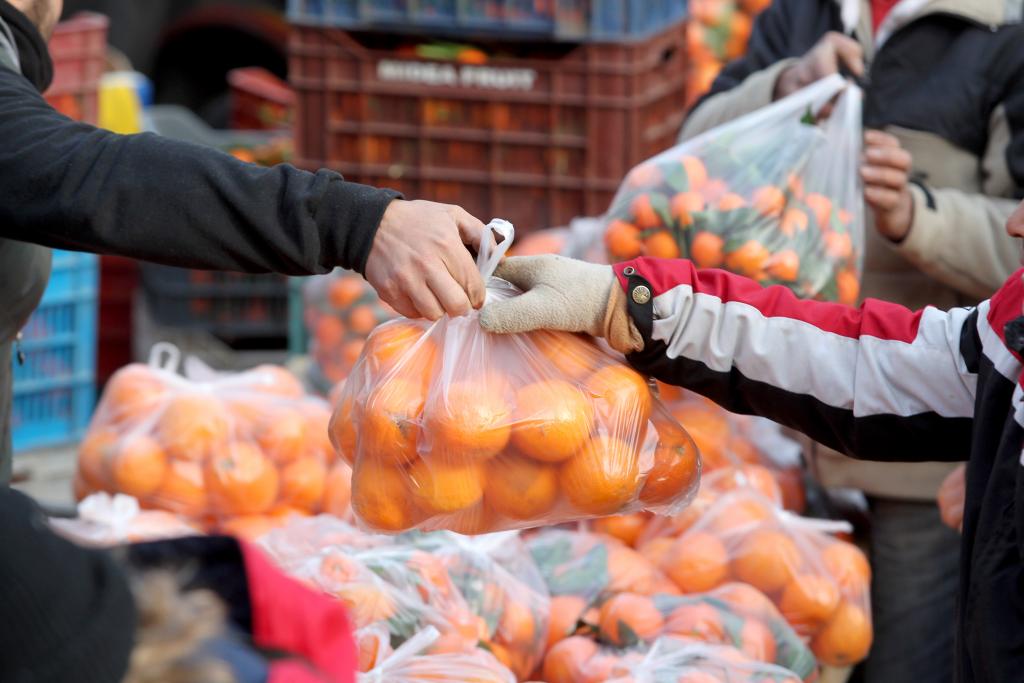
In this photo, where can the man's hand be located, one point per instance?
(951, 498)
(419, 263)
(886, 174)
(834, 49)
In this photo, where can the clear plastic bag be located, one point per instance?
(340, 310)
(105, 520)
(248, 447)
(774, 195)
(451, 427)
(675, 659)
(413, 662)
(819, 583)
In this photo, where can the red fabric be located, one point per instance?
(879, 11)
(290, 671)
(289, 617)
(1006, 305)
(875, 318)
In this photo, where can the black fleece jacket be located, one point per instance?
(72, 186)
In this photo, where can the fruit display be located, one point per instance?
(819, 583)
(104, 520)
(481, 592)
(773, 195)
(241, 451)
(449, 427)
(413, 663)
(717, 32)
(339, 310)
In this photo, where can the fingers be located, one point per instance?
(882, 198)
(403, 305)
(847, 52)
(423, 299)
(881, 176)
(893, 157)
(448, 292)
(521, 271)
(471, 228)
(524, 313)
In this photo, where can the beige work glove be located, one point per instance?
(563, 294)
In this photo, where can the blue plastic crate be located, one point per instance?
(55, 389)
(570, 20)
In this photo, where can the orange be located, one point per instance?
(684, 205)
(338, 490)
(273, 379)
(795, 185)
(629, 571)
(821, 208)
(628, 618)
(318, 433)
(133, 392)
(657, 550)
(517, 627)
(362, 320)
(706, 250)
(540, 242)
(709, 428)
(392, 342)
(139, 466)
(661, 245)
(846, 638)
(343, 428)
(553, 419)
(193, 426)
(755, 477)
(621, 395)
(696, 676)
(303, 483)
(471, 418)
(791, 485)
(838, 245)
(808, 601)
(329, 332)
(741, 515)
(626, 528)
(566, 660)
(242, 481)
(283, 435)
(697, 562)
(574, 356)
(350, 352)
(381, 496)
(391, 420)
(520, 488)
(94, 455)
(769, 201)
(844, 216)
(344, 291)
(784, 265)
(250, 527)
(80, 488)
(731, 201)
(622, 240)
(182, 490)
(743, 449)
(644, 215)
(749, 259)
(367, 603)
(645, 175)
(676, 466)
(746, 599)
(848, 286)
(603, 477)
(696, 173)
(441, 485)
(603, 666)
(793, 221)
(767, 559)
(757, 641)
(669, 393)
(473, 521)
(565, 614)
(848, 566)
(697, 620)
(369, 646)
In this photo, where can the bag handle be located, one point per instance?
(491, 252)
(165, 356)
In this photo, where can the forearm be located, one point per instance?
(877, 382)
(72, 186)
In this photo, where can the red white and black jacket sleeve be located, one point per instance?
(879, 381)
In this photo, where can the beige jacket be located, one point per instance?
(955, 254)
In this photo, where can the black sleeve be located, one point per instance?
(72, 186)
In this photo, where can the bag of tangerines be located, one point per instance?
(340, 311)
(240, 450)
(773, 195)
(819, 583)
(412, 662)
(449, 427)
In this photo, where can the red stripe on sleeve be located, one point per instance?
(1005, 306)
(880, 319)
(289, 617)
(289, 671)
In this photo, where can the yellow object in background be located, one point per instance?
(120, 107)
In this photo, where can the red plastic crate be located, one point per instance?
(119, 278)
(259, 100)
(79, 51)
(540, 134)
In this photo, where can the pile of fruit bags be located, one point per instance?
(717, 32)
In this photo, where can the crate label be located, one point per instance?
(452, 75)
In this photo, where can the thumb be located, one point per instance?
(523, 313)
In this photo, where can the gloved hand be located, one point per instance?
(563, 294)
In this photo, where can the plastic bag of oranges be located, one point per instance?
(820, 584)
(248, 447)
(340, 310)
(413, 662)
(774, 195)
(105, 520)
(450, 427)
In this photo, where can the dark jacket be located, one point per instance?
(881, 382)
(946, 79)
